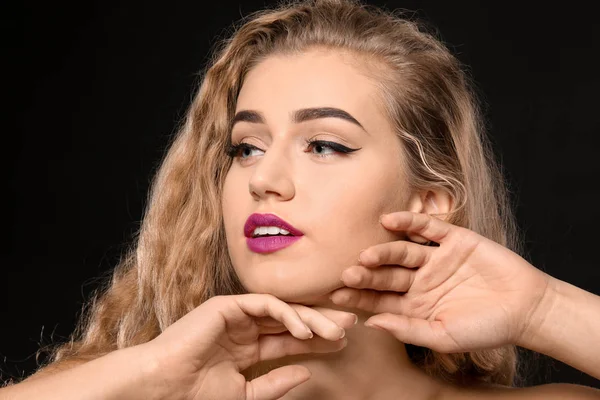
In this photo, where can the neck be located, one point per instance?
(374, 365)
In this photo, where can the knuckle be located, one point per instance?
(385, 280)
(393, 279)
(375, 300)
(402, 252)
(363, 276)
(384, 254)
(352, 298)
(268, 297)
(216, 301)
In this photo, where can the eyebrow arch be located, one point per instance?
(299, 116)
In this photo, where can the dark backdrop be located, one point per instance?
(95, 91)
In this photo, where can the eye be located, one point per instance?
(323, 148)
(243, 151)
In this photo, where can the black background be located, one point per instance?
(95, 91)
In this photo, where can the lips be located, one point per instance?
(256, 220)
(269, 244)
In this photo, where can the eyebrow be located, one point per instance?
(298, 116)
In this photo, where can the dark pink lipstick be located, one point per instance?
(269, 244)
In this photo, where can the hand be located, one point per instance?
(466, 294)
(201, 356)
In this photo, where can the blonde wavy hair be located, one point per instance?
(179, 259)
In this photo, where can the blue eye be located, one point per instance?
(324, 148)
(321, 148)
(243, 150)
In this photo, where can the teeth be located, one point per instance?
(269, 230)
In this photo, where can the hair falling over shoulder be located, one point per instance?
(179, 259)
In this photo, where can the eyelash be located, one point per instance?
(235, 150)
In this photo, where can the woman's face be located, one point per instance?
(333, 199)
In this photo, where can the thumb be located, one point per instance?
(420, 332)
(276, 383)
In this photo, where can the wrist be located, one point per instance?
(161, 375)
(565, 326)
(542, 318)
(135, 372)
(151, 377)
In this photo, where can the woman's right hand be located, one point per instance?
(202, 355)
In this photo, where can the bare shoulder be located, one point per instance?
(552, 391)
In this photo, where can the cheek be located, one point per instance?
(226, 200)
(347, 213)
(232, 208)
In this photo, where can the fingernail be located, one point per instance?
(381, 217)
(359, 254)
(342, 277)
(372, 325)
(343, 333)
(309, 331)
(355, 319)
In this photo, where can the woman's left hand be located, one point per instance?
(468, 293)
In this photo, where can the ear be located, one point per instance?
(436, 202)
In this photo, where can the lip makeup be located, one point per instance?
(281, 235)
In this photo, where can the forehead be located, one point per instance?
(281, 84)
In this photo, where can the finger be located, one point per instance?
(416, 238)
(267, 322)
(265, 305)
(268, 326)
(425, 225)
(400, 252)
(323, 325)
(344, 319)
(369, 300)
(276, 383)
(341, 320)
(415, 331)
(396, 279)
(271, 347)
(272, 330)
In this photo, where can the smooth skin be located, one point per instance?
(334, 198)
(470, 293)
(206, 363)
(202, 355)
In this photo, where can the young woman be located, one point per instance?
(330, 199)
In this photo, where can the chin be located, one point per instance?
(292, 285)
(305, 297)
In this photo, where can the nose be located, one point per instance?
(272, 176)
